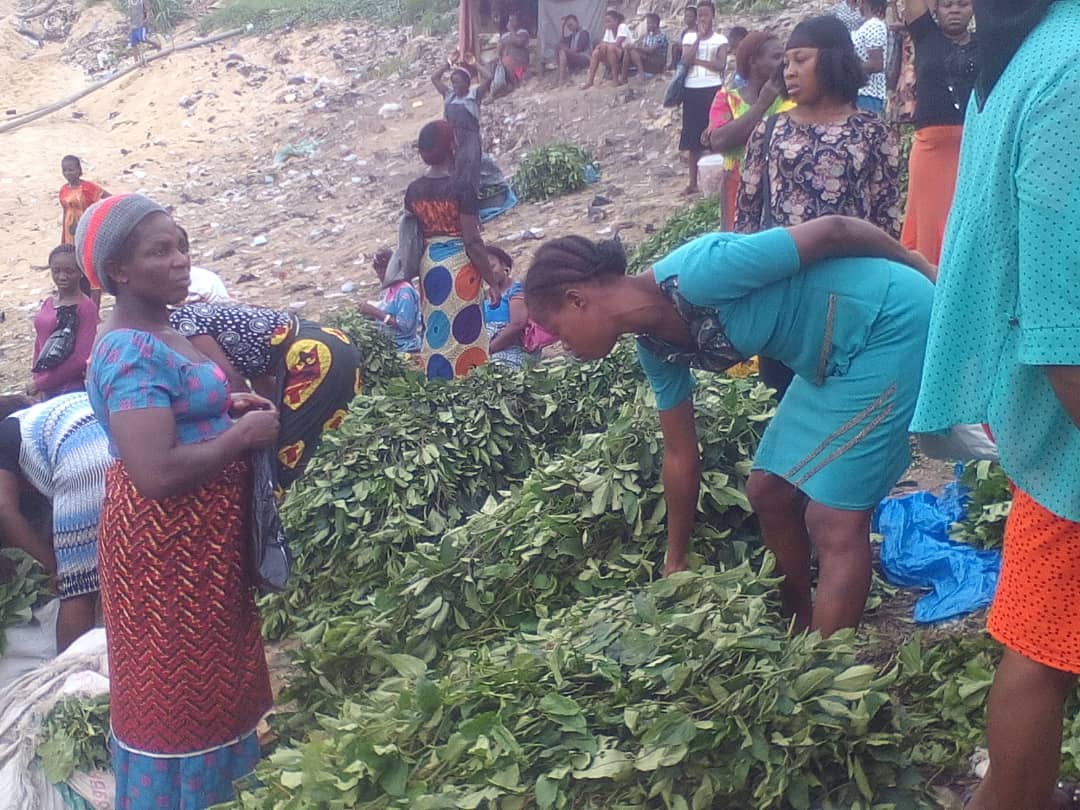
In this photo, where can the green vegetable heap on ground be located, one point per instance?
(551, 171)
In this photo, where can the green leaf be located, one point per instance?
(547, 792)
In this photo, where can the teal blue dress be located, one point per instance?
(852, 330)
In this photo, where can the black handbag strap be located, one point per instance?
(767, 218)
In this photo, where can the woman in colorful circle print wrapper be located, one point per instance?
(453, 264)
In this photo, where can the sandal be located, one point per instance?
(1071, 791)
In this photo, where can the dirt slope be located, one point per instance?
(199, 132)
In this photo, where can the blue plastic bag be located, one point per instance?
(916, 552)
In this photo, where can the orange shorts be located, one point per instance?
(1036, 610)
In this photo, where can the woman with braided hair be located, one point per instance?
(853, 329)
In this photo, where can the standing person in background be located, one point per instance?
(822, 157)
(575, 47)
(59, 450)
(76, 195)
(946, 66)
(611, 50)
(1004, 348)
(187, 670)
(849, 12)
(461, 108)
(900, 105)
(67, 304)
(735, 114)
(871, 42)
(398, 314)
(705, 55)
(139, 14)
(648, 54)
(735, 35)
(689, 25)
(453, 264)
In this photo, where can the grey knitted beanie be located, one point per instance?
(103, 229)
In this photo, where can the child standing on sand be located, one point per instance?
(76, 195)
(140, 28)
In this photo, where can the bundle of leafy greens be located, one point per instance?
(75, 737)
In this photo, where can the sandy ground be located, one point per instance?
(199, 131)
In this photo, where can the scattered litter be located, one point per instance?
(305, 148)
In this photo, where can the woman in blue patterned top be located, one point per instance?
(188, 676)
(853, 329)
(506, 322)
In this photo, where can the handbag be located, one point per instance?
(673, 96)
(894, 59)
(271, 558)
(772, 372)
(60, 344)
(767, 218)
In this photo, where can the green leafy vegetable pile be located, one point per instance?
(417, 459)
(684, 225)
(23, 584)
(551, 171)
(590, 521)
(76, 737)
(988, 505)
(686, 693)
(382, 362)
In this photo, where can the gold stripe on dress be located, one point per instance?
(840, 431)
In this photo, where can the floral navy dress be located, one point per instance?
(850, 168)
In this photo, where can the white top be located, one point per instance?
(873, 33)
(206, 287)
(624, 31)
(700, 76)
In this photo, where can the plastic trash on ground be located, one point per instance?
(916, 552)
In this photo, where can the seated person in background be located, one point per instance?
(513, 56)
(506, 322)
(574, 47)
(689, 24)
(69, 303)
(735, 37)
(57, 450)
(612, 49)
(398, 314)
(649, 54)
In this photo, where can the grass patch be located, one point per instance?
(426, 16)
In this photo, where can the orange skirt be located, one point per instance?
(935, 154)
(1035, 611)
